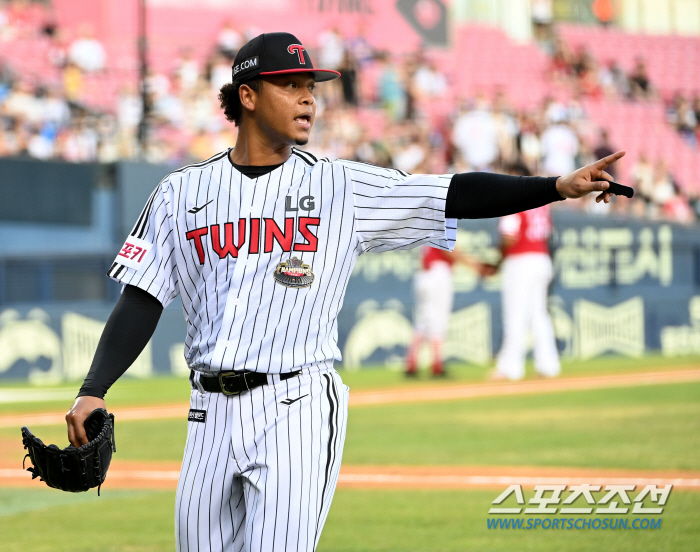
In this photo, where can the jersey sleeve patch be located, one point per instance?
(134, 253)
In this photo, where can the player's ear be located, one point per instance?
(248, 97)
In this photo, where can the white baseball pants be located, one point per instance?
(434, 296)
(524, 283)
(260, 471)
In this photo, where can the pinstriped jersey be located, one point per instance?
(262, 264)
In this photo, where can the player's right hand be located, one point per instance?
(78, 413)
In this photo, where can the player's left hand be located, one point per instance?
(591, 178)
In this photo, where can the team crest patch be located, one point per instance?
(294, 274)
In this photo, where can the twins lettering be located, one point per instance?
(260, 233)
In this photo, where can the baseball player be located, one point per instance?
(432, 289)
(526, 275)
(259, 242)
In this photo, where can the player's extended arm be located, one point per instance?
(130, 326)
(485, 195)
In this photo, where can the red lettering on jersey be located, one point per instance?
(228, 248)
(254, 236)
(299, 49)
(309, 236)
(273, 231)
(196, 235)
(126, 251)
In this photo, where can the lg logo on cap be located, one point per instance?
(299, 50)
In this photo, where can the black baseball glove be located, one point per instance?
(72, 469)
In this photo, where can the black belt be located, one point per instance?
(234, 383)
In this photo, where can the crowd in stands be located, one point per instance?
(378, 112)
(589, 79)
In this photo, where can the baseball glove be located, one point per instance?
(72, 469)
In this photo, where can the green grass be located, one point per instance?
(372, 378)
(118, 521)
(360, 520)
(646, 427)
(125, 392)
(443, 521)
(161, 440)
(169, 389)
(651, 427)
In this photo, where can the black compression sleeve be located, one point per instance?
(130, 326)
(485, 195)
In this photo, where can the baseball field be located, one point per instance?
(423, 462)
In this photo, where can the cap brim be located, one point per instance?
(320, 75)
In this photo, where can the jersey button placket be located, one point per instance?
(233, 300)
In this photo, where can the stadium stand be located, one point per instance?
(393, 110)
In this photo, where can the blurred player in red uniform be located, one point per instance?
(434, 295)
(526, 275)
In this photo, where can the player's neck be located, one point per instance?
(255, 148)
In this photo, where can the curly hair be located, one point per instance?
(230, 100)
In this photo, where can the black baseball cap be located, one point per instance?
(276, 54)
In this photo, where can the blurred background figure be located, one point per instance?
(475, 136)
(86, 52)
(526, 275)
(559, 146)
(229, 41)
(433, 294)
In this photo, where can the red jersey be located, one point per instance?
(432, 255)
(530, 229)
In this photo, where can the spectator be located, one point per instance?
(229, 41)
(412, 155)
(78, 143)
(640, 87)
(662, 190)
(129, 109)
(506, 127)
(475, 136)
(219, 72)
(643, 178)
(682, 116)
(559, 148)
(429, 82)
(361, 47)
(696, 108)
(72, 82)
(392, 90)
(41, 143)
(613, 80)
(677, 208)
(54, 108)
(86, 52)
(528, 142)
(603, 149)
(562, 60)
(187, 70)
(332, 49)
(21, 102)
(58, 50)
(542, 18)
(348, 78)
